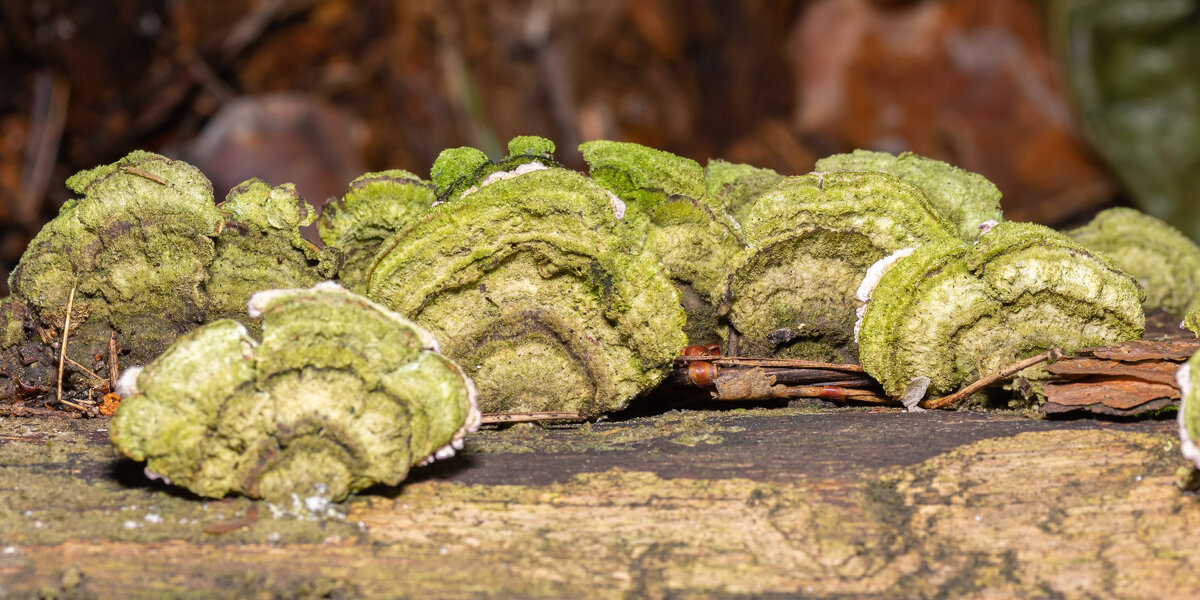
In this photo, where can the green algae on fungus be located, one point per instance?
(738, 185)
(340, 394)
(967, 200)
(260, 247)
(135, 247)
(458, 171)
(535, 286)
(1160, 257)
(681, 223)
(810, 241)
(952, 311)
(376, 207)
(1188, 416)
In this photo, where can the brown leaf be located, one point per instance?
(1155, 371)
(1117, 392)
(754, 384)
(1137, 350)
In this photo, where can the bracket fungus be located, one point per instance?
(1160, 257)
(539, 290)
(953, 311)
(376, 207)
(967, 200)
(810, 241)
(260, 247)
(738, 185)
(146, 255)
(340, 394)
(686, 228)
(459, 171)
(1188, 416)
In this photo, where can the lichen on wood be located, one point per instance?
(535, 286)
(339, 395)
(953, 311)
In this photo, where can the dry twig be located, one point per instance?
(529, 417)
(945, 401)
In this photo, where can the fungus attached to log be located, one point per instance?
(965, 199)
(810, 241)
(681, 224)
(1160, 257)
(952, 311)
(339, 395)
(260, 247)
(1188, 416)
(737, 185)
(539, 291)
(136, 247)
(376, 207)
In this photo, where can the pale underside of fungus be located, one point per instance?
(539, 291)
(1160, 257)
(810, 241)
(340, 394)
(680, 223)
(953, 311)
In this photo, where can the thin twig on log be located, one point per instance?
(62, 354)
(529, 417)
(112, 360)
(144, 174)
(1049, 355)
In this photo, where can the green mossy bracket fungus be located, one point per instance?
(150, 257)
(738, 185)
(260, 247)
(965, 199)
(136, 247)
(1188, 416)
(687, 228)
(1160, 257)
(953, 311)
(339, 395)
(810, 241)
(376, 207)
(539, 291)
(457, 170)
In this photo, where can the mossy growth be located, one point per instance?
(954, 311)
(146, 254)
(1163, 260)
(681, 223)
(738, 185)
(457, 170)
(1188, 416)
(965, 199)
(260, 247)
(135, 248)
(376, 207)
(537, 288)
(810, 241)
(340, 394)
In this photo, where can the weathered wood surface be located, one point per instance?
(775, 503)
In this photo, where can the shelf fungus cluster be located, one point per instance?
(1188, 417)
(951, 312)
(532, 281)
(376, 207)
(145, 255)
(676, 220)
(339, 394)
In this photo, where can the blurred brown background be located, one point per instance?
(318, 91)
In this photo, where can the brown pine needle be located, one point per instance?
(86, 370)
(112, 360)
(62, 354)
(1049, 355)
(529, 417)
(145, 175)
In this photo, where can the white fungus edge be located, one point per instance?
(871, 281)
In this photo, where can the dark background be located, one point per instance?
(318, 91)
